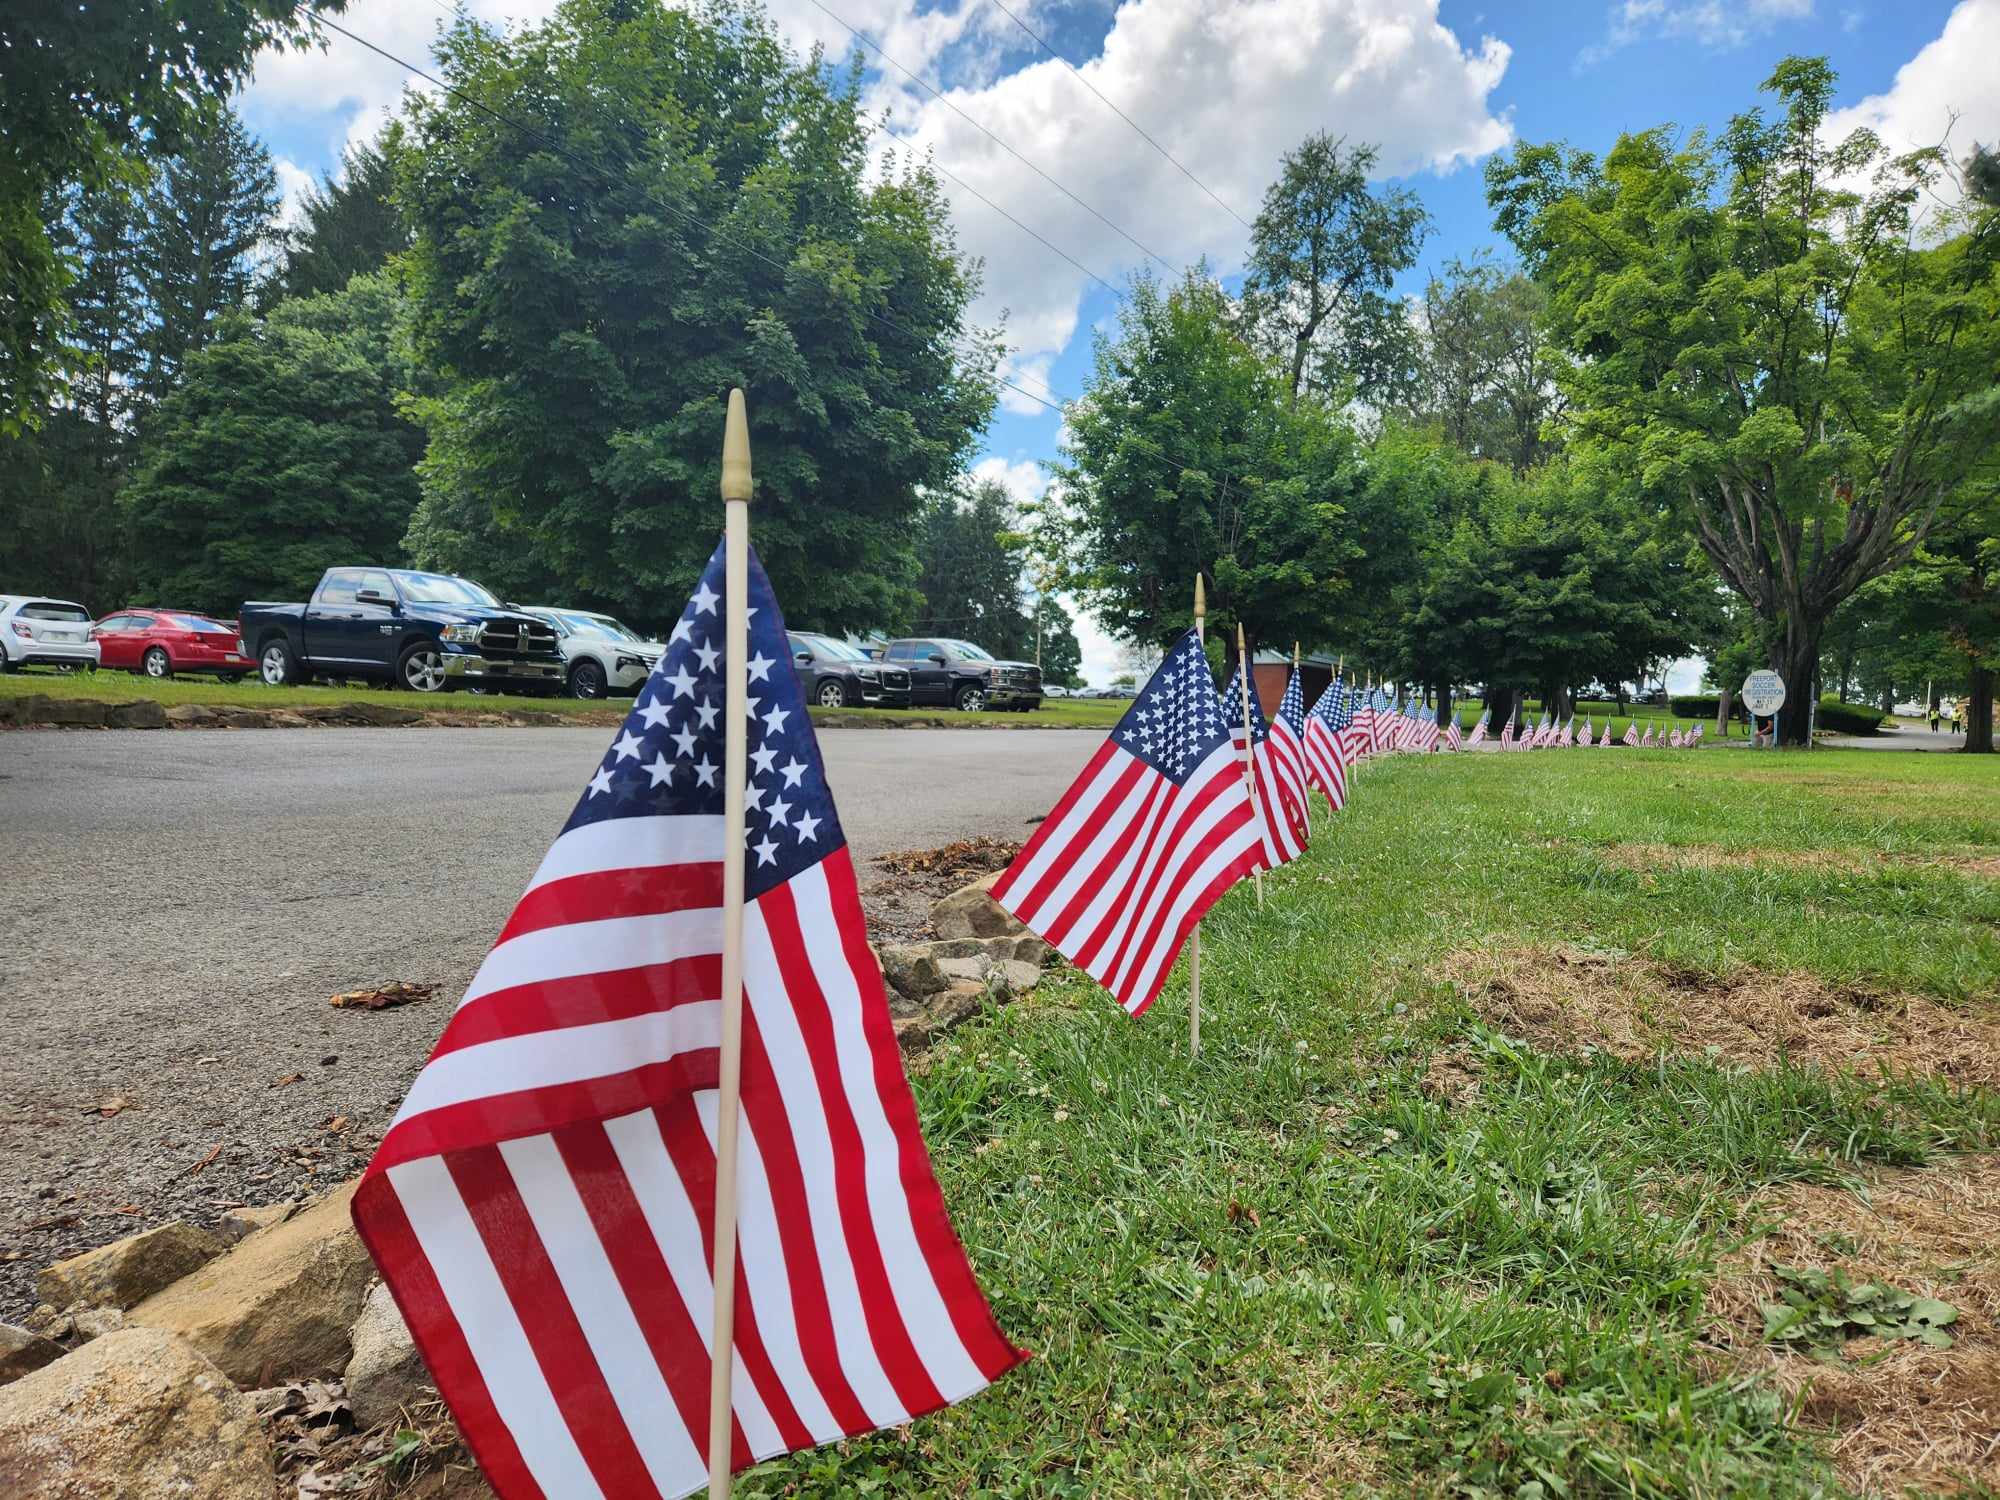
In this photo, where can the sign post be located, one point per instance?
(1763, 693)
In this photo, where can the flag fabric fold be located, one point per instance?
(1288, 748)
(542, 1205)
(1631, 734)
(1281, 805)
(1335, 738)
(1156, 828)
(1479, 729)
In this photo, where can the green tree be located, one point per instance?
(80, 87)
(683, 206)
(1484, 372)
(1778, 353)
(1184, 455)
(1324, 253)
(1058, 649)
(281, 454)
(351, 221)
(969, 573)
(210, 209)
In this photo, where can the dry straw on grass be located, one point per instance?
(1563, 1001)
(1633, 856)
(1896, 1414)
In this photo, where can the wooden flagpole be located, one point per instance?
(735, 753)
(1249, 749)
(1194, 940)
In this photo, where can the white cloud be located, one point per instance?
(1024, 479)
(294, 181)
(1712, 23)
(1951, 79)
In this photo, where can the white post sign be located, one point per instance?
(1763, 694)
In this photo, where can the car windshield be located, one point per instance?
(603, 625)
(49, 609)
(196, 622)
(965, 649)
(442, 588)
(826, 645)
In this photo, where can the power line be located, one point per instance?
(684, 215)
(1042, 42)
(872, 45)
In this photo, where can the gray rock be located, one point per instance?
(972, 969)
(386, 1373)
(241, 1223)
(137, 1415)
(1014, 977)
(126, 1272)
(143, 714)
(87, 1323)
(911, 970)
(22, 1352)
(190, 715)
(971, 912)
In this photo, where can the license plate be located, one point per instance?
(62, 635)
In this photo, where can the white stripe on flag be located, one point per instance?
(458, 1257)
(572, 948)
(1086, 866)
(628, 843)
(1186, 889)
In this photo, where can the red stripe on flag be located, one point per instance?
(970, 1313)
(1089, 888)
(1108, 806)
(1130, 899)
(1184, 870)
(385, 1231)
(572, 1373)
(1041, 835)
(893, 1345)
(584, 1000)
(641, 891)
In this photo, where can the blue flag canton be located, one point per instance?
(1177, 721)
(1292, 707)
(1232, 705)
(668, 756)
(1332, 707)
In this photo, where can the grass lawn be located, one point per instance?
(1641, 714)
(1511, 1095)
(124, 687)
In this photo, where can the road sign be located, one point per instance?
(1763, 693)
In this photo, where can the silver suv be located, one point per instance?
(38, 632)
(601, 655)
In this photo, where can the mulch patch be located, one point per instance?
(899, 901)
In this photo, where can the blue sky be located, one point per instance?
(1228, 86)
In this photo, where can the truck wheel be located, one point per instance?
(278, 667)
(157, 663)
(586, 680)
(971, 698)
(831, 694)
(421, 669)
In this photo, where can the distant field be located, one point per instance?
(124, 687)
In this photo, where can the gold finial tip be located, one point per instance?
(1200, 598)
(736, 450)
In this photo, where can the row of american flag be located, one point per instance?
(543, 1206)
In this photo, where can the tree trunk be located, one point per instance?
(1500, 701)
(1888, 700)
(1722, 704)
(1979, 712)
(1796, 659)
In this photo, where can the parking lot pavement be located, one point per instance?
(180, 906)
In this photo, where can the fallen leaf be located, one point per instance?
(127, 1208)
(336, 1124)
(202, 1062)
(213, 1152)
(112, 1106)
(383, 996)
(54, 1221)
(288, 1080)
(1242, 1211)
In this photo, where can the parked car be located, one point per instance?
(161, 642)
(1056, 690)
(423, 631)
(1119, 691)
(943, 670)
(39, 632)
(834, 674)
(600, 654)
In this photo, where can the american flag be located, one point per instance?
(1631, 734)
(1282, 811)
(1288, 745)
(542, 1207)
(1332, 739)
(1507, 729)
(1646, 742)
(1154, 830)
(1583, 737)
(1424, 727)
(1606, 738)
(1452, 738)
(1569, 731)
(1478, 729)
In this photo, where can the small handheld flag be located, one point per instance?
(1281, 807)
(1329, 744)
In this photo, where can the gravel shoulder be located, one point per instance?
(179, 909)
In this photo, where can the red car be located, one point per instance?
(161, 642)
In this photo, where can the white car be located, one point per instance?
(601, 655)
(38, 632)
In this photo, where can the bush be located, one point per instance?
(1849, 718)
(1703, 708)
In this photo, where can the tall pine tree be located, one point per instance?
(351, 222)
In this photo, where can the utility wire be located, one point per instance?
(684, 215)
(927, 87)
(1042, 42)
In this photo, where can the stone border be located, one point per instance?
(41, 711)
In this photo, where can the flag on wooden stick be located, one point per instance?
(1333, 740)
(1156, 828)
(1281, 799)
(544, 1206)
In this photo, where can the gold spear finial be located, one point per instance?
(736, 450)
(1200, 598)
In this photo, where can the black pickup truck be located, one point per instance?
(422, 631)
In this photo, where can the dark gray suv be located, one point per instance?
(944, 670)
(834, 674)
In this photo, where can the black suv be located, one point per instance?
(834, 674)
(959, 673)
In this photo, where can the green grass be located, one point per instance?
(1287, 1269)
(1641, 714)
(124, 687)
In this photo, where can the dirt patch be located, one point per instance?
(1897, 1414)
(1715, 857)
(1564, 1001)
(899, 901)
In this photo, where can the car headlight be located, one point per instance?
(462, 635)
(633, 661)
(870, 672)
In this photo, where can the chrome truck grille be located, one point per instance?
(518, 637)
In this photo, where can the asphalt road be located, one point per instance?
(177, 908)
